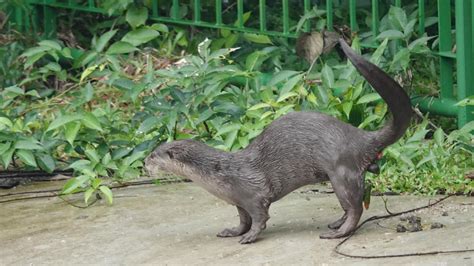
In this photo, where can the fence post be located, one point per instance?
(49, 20)
(464, 54)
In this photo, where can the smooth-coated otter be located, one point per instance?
(297, 149)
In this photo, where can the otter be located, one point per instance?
(297, 149)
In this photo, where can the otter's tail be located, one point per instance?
(393, 94)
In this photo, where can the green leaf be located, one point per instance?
(51, 44)
(439, 136)
(377, 55)
(397, 17)
(92, 155)
(27, 157)
(70, 132)
(7, 157)
(46, 162)
(62, 120)
(148, 124)
(347, 107)
(371, 97)
(290, 84)
(391, 35)
(281, 76)
(5, 122)
(88, 194)
(90, 121)
(286, 96)
(136, 15)
(107, 193)
(103, 40)
(4, 147)
(259, 106)
(160, 27)
(228, 128)
(121, 48)
(28, 145)
(327, 76)
(38, 50)
(14, 91)
(257, 38)
(140, 36)
(203, 48)
(75, 183)
(77, 165)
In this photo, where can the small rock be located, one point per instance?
(416, 227)
(437, 225)
(445, 213)
(401, 228)
(404, 217)
(414, 219)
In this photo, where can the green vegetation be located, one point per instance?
(99, 110)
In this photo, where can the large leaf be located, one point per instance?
(90, 121)
(104, 40)
(51, 44)
(46, 162)
(136, 15)
(27, 157)
(107, 193)
(371, 97)
(30, 144)
(391, 35)
(121, 48)
(327, 76)
(257, 38)
(140, 36)
(75, 183)
(62, 120)
(71, 130)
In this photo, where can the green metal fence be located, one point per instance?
(459, 62)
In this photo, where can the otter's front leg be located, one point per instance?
(244, 226)
(259, 215)
(349, 189)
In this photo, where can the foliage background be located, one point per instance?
(99, 97)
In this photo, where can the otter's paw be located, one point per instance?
(332, 235)
(336, 224)
(230, 232)
(248, 238)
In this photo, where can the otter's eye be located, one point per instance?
(170, 154)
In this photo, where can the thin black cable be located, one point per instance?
(378, 217)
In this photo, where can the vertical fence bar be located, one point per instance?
(90, 3)
(175, 9)
(240, 13)
(352, 14)
(49, 21)
(18, 17)
(445, 42)
(154, 8)
(398, 3)
(218, 12)
(421, 16)
(197, 10)
(375, 18)
(464, 56)
(329, 15)
(307, 8)
(263, 15)
(286, 17)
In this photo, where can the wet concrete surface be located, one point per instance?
(177, 224)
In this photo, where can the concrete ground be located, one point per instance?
(177, 224)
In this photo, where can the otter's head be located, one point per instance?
(177, 157)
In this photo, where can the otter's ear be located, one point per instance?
(170, 154)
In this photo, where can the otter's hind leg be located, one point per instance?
(349, 189)
(259, 214)
(244, 226)
(339, 222)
